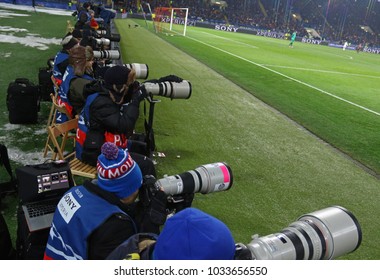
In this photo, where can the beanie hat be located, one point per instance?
(68, 42)
(117, 171)
(78, 56)
(194, 235)
(94, 24)
(82, 53)
(77, 34)
(116, 75)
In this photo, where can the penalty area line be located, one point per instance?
(288, 77)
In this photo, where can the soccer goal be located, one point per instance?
(171, 21)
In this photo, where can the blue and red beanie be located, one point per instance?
(117, 171)
(194, 235)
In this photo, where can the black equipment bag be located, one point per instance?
(45, 83)
(23, 101)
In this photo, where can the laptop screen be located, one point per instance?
(53, 181)
(43, 181)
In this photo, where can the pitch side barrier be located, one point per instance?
(280, 35)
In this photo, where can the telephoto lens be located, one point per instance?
(208, 178)
(142, 70)
(322, 235)
(113, 38)
(103, 42)
(108, 54)
(101, 32)
(173, 90)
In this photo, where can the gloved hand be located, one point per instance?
(135, 85)
(139, 95)
(170, 78)
(153, 202)
(157, 208)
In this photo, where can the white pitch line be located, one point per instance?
(339, 55)
(224, 38)
(322, 71)
(290, 78)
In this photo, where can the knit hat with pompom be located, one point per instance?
(117, 171)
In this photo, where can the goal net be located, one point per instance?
(171, 21)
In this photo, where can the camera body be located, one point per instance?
(172, 194)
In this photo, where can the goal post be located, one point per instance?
(170, 20)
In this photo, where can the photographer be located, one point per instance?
(110, 115)
(61, 60)
(83, 16)
(78, 73)
(188, 235)
(93, 219)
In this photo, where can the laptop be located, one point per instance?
(40, 188)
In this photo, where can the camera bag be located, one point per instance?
(45, 83)
(23, 101)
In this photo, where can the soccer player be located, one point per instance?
(292, 39)
(345, 45)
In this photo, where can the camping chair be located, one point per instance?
(55, 107)
(59, 133)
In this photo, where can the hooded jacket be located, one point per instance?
(103, 120)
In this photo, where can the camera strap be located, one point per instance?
(148, 125)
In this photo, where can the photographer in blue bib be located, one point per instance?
(109, 115)
(91, 220)
(83, 15)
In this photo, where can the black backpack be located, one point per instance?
(45, 83)
(23, 101)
